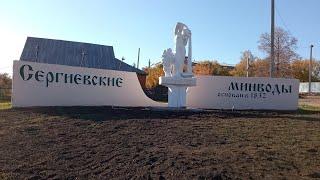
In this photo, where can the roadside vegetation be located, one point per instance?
(5, 105)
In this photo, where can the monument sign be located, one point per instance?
(39, 84)
(225, 92)
(176, 79)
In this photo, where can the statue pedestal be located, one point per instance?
(177, 89)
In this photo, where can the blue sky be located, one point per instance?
(221, 29)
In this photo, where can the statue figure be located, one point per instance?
(173, 62)
(167, 62)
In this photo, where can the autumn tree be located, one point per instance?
(241, 68)
(5, 80)
(260, 68)
(284, 50)
(210, 68)
(204, 68)
(154, 73)
(300, 70)
(316, 70)
(5, 86)
(200, 68)
(256, 67)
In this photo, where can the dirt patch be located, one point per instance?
(106, 143)
(310, 101)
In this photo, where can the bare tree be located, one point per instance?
(285, 50)
(246, 61)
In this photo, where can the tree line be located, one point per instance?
(5, 86)
(288, 63)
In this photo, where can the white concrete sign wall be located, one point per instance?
(221, 92)
(304, 87)
(37, 84)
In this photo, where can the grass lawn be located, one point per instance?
(304, 107)
(5, 105)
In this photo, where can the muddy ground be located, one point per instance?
(106, 143)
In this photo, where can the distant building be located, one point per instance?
(78, 54)
(227, 66)
(223, 65)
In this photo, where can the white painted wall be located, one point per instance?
(304, 87)
(206, 94)
(36, 93)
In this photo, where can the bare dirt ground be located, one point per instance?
(135, 143)
(310, 101)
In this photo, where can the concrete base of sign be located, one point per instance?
(175, 109)
(177, 81)
(177, 89)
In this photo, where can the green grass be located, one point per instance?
(305, 107)
(5, 105)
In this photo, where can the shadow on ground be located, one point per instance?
(103, 113)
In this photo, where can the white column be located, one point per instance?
(176, 96)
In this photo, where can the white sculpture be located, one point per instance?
(173, 63)
(175, 79)
(167, 62)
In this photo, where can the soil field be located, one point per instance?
(135, 143)
(310, 101)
